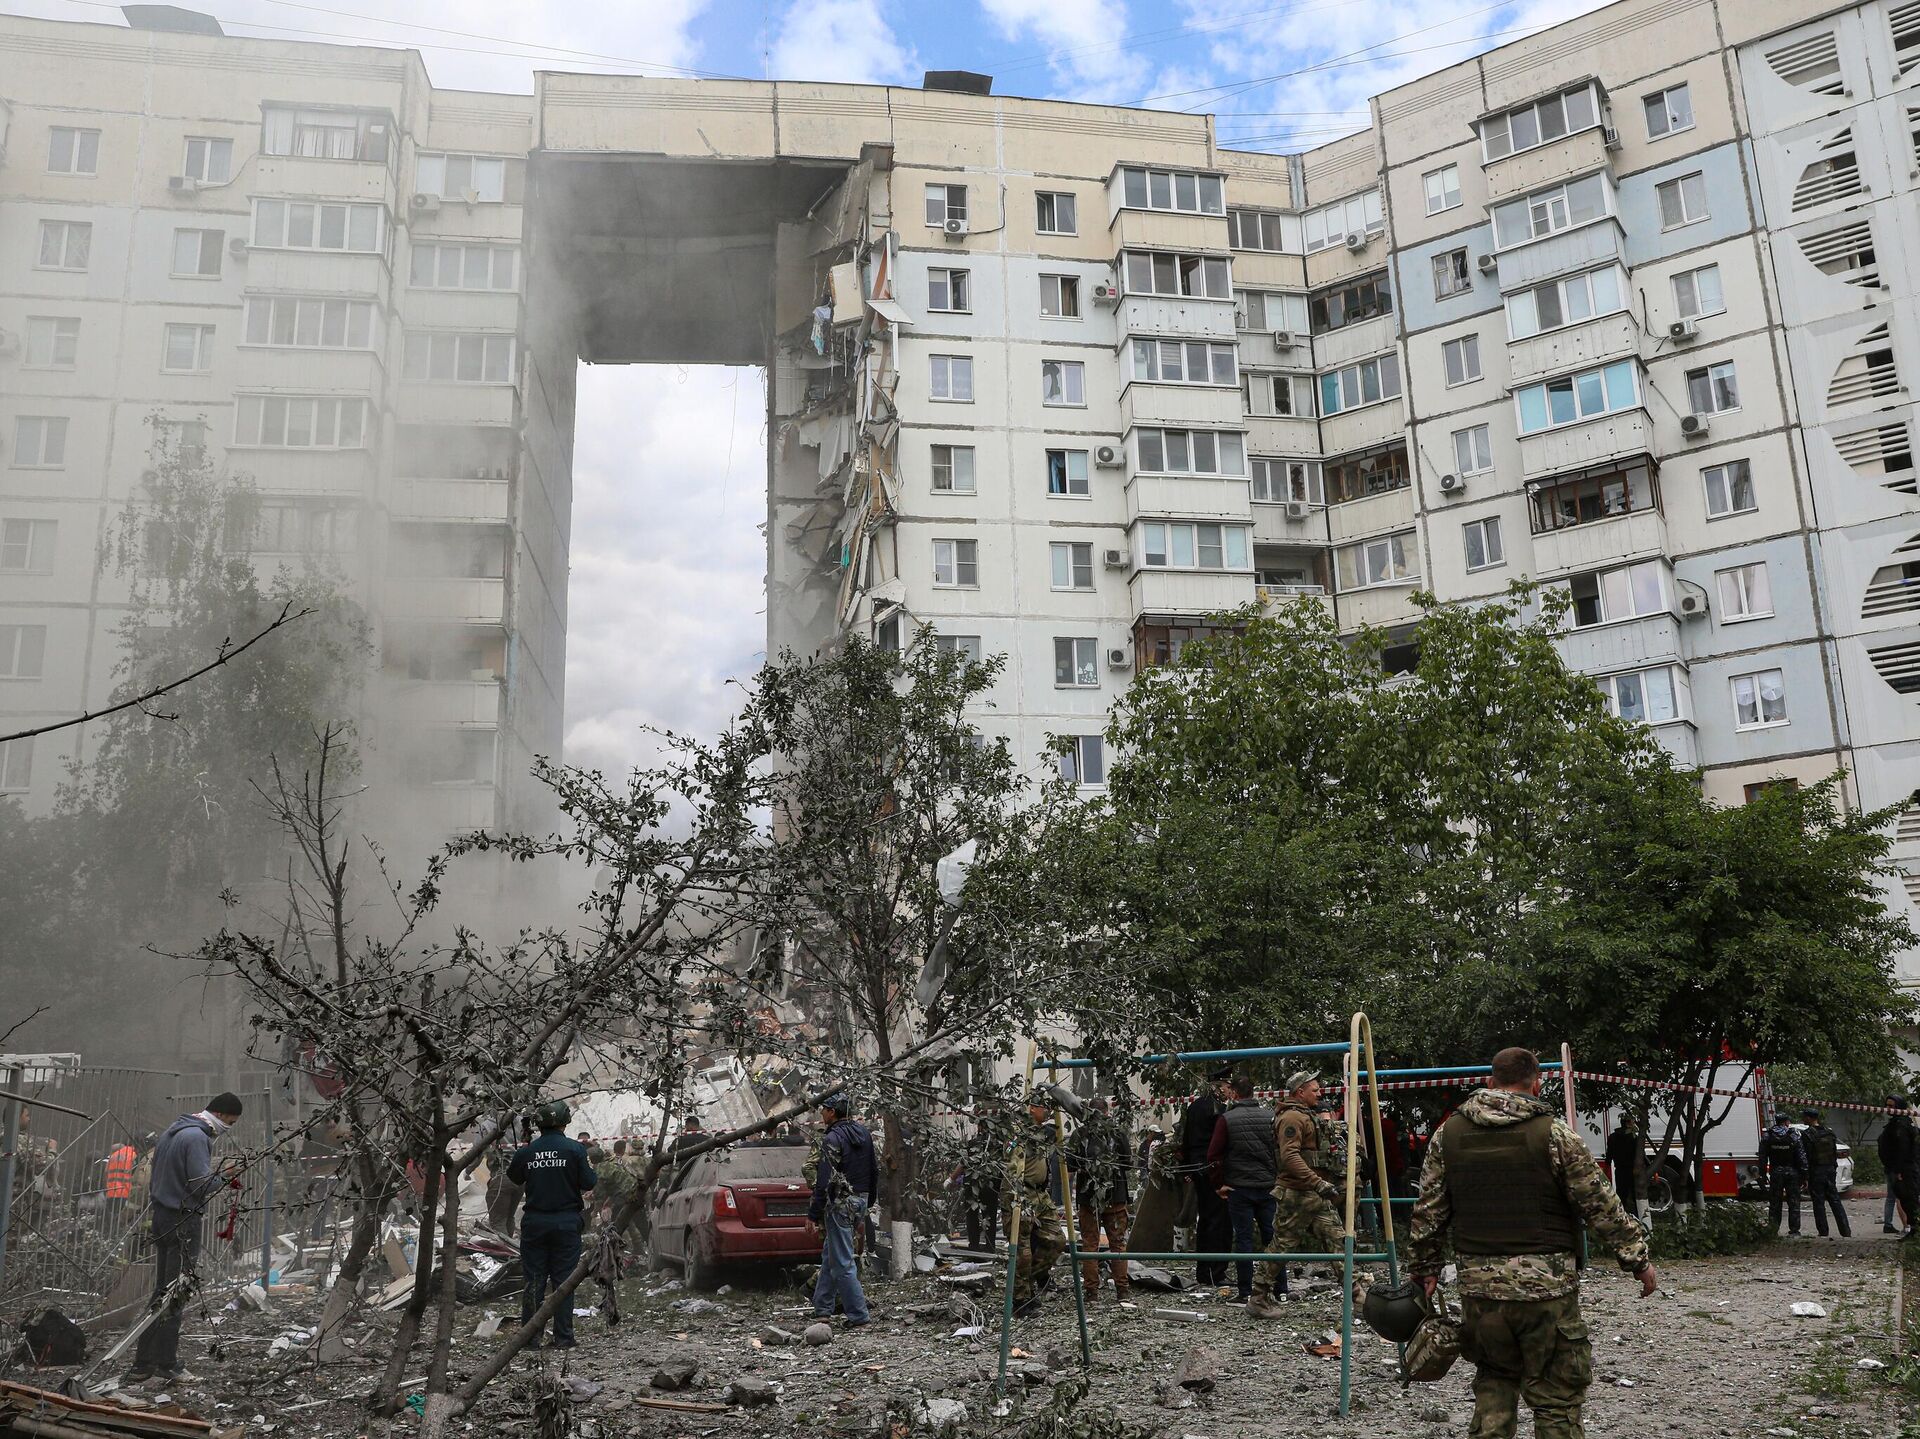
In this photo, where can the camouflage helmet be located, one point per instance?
(554, 1114)
(1394, 1311)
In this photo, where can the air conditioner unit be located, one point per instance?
(1356, 241)
(1692, 606)
(955, 228)
(1118, 658)
(1487, 264)
(1682, 332)
(1694, 427)
(423, 203)
(182, 184)
(237, 247)
(1114, 559)
(1612, 136)
(1106, 292)
(1298, 509)
(1452, 484)
(1284, 339)
(1109, 457)
(9, 343)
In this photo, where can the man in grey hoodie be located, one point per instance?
(184, 1179)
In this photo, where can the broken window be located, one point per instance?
(325, 134)
(1067, 473)
(1084, 761)
(1063, 382)
(1450, 275)
(1350, 302)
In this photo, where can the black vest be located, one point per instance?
(1506, 1197)
(1252, 1160)
(1822, 1146)
(1778, 1150)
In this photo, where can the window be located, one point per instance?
(968, 646)
(1540, 123)
(948, 290)
(1443, 188)
(1566, 302)
(299, 422)
(1623, 594)
(886, 634)
(453, 266)
(1461, 358)
(1063, 382)
(1084, 760)
(26, 546)
(1642, 696)
(1669, 111)
(196, 253)
(16, 765)
(1483, 544)
(40, 442)
(1388, 560)
(1072, 565)
(293, 529)
(188, 349)
(65, 244)
(1185, 362)
(1713, 389)
(1450, 275)
(53, 342)
(1759, 699)
(1197, 546)
(1729, 489)
(1157, 272)
(306, 225)
(72, 152)
(1191, 452)
(1597, 494)
(1067, 473)
(1370, 472)
(1745, 593)
(471, 359)
(1473, 450)
(1060, 297)
(953, 469)
(1271, 310)
(1276, 481)
(1577, 397)
(1076, 663)
(1269, 394)
(1331, 224)
(1366, 383)
(944, 203)
(1350, 303)
(1549, 211)
(950, 377)
(1055, 213)
(476, 179)
(208, 160)
(326, 134)
(1682, 200)
(1261, 230)
(1172, 190)
(1751, 792)
(23, 651)
(1697, 292)
(310, 323)
(956, 563)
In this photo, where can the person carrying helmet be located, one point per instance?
(556, 1174)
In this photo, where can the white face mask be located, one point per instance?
(220, 1126)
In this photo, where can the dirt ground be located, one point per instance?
(1716, 1353)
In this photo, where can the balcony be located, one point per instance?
(1561, 159)
(1622, 645)
(479, 502)
(1188, 497)
(307, 472)
(1275, 599)
(1609, 337)
(1188, 592)
(1167, 230)
(305, 178)
(1374, 515)
(1366, 428)
(1679, 739)
(426, 402)
(1208, 407)
(1590, 442)
(308, 370)
(331, 272)
(1599, 544)
(463, 703)
(456, 808)
(447, 600)
(1190, 317)
(1586, 248)
(1380, 605)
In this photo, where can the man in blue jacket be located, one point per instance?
(845, 1185)
(184, 1179)
(556, 1175)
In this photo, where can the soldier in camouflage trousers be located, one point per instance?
(1304, 1220)
(1030, 1173)
(1509, 1184)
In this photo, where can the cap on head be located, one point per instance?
(1300, 1079)
(226, 1105)
(1812, 1116)
(693, 1121)
(1223, 1073)
(835, 1103)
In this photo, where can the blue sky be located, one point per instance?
(666, 602)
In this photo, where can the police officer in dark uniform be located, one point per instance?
(1822, 1148)
(1213, 1226)
(556, 1174)
(1783, 1166)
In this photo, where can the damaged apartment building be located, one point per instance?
(1623, 307)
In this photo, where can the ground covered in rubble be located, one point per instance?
(1718, 1353)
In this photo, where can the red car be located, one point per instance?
(742, 1205)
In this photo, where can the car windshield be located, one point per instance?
(743, 1162)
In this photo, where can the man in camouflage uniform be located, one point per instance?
(1030, 1175)
(1304, 1220)
(1509, 1185)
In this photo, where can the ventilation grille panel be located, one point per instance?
(1904, 21)
(1834, 176)
(1899, 666)
(1867, 374)
(1812, 64)
(1883, 454)
(1895, 587)
(1845, 253)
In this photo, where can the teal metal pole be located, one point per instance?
(1079, 1290)
(1346, 1332)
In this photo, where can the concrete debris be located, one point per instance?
(582, 1390)
(773, 1336)
(1199, 1369)
(1868, 1364)
(1191, 1316)
(979, 1279)
(697, 1306)
(675, 1375)
(1161, 1281)
(1032, 1371)
(487, 1327)
(254, 1297)
(818, 1334)
(938, 1416)
(751, 1393)
(1807, 1309)
(1169, 1395)
(1436, 1414)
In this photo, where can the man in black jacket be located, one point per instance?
(1242, 1164)
(1213, 1229)
(845, 1185)
(1823, 1173)
(1783, 1169)
(556, 1175)
(1101, 1156)
(1627, 1158)
(1897, 1156)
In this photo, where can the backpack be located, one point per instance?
(1435, 1345)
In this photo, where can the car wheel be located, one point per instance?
(702, 1271)
(1665, 1186)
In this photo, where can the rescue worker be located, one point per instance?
(1783, 1168)
(1030, 1173)
(1508, 1184)
(555, 1174)
(1101, 1157)
(979, 1181)
(1822, 1148)
(1305, 1220)
(121, 1160)
(1212, 1229)
(845, 1187)
(1242, 1164)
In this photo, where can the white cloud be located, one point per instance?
(846, 40)
(1082, 40)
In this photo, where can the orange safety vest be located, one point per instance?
(120, 1172)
